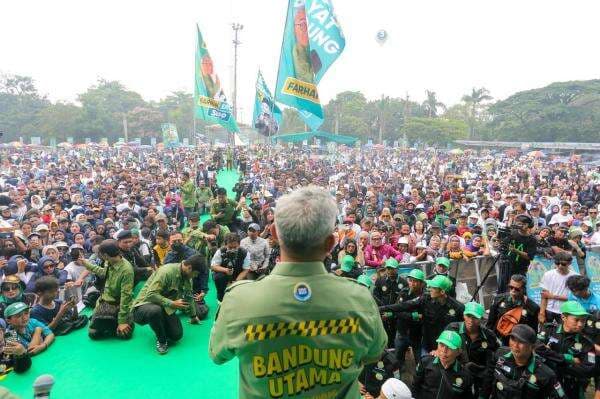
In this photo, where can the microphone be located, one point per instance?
(42, 386)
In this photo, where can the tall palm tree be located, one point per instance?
(431, 105)
(474, 101)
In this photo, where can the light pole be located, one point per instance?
(236, 28)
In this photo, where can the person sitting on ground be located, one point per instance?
(61, 316)
(161, 248)
(46, 267)
(168, 289)
(13, 355)
(230, 263)
(31, 333)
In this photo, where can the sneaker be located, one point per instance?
(162, 348)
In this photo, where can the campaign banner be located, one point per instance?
(70, 140)
(36, 140)
(53, 142)
(152, 141)
(87, 140)
(186, 141)
(210, 102)
(170, 135)
(267, 115)
(312, 41)
(538, 266)
(592, 270)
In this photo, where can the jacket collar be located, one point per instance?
(299, 268)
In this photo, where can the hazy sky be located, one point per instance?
(445, 46)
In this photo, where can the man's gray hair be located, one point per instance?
(304, 218)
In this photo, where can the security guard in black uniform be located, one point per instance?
(479, 346)
(375, 374)
(521, 374)
(409, 324)
(570, 353)
(442, 268)
(386, 291)
(441, 376)
(437, 310)
(515, 298)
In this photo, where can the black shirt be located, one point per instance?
(432, 381)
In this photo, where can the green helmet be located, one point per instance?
(364, 280)
(474, 309)
(443, 261)
(347, 263)
(573, 308)
(392, 263)
(417, 274)
(441, 282)
(451, 339)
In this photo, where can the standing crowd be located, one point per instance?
(85, 227)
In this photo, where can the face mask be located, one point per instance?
(177, 246)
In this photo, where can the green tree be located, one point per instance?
(346, 114)
(144, 122)
(438, 131)
(476, 106)
(431, 104)
(104, 107)
(59, 121)
(20, 104)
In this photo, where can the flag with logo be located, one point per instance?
(312, 41)
(267, 115)
(210, 103)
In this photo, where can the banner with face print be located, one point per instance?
(210, 103)
(267, 115)
(312, 41)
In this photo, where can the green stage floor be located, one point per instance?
(133, 369)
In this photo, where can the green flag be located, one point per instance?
(312, 41)
(210, 102)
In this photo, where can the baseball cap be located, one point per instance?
(42, 227)
(474, 309)
(14, 309)
(108, 220)
(523, 333)
(364, 280)
(124, 234)
(451, 339)
(421, 244)
(573, 308)
(403, 240)
(254, 226)
(61, 244)
(417, 274)
(347, 263)
(443, 261)
(393, 388)
(391, 263)
(160, 216)
(76, 246)
(441, 282)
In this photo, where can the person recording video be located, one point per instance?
(517, 249)
(230, 263)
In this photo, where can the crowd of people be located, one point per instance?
(83, 227)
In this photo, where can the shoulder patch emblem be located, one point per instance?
(302, 292)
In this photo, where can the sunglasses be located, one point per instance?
(10, 287)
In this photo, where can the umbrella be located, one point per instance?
(536, 154)
(16, 144)
(456, 151)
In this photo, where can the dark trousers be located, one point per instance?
(402, 343)
(166, 327)
(221, 282)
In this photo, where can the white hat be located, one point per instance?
(395, 389)
(403, 240)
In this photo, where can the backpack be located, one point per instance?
(508, 320)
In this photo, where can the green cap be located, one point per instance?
(441, 282)
(364, 280)
(573, 308)
(347, 263)
(417, 274)
(443, 261)
(15, 308)
(392, 263)
(451, 339)
(474, 309)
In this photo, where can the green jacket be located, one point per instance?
(204, 194)
(188, 191)
(118, 287)
(229, 211)
(165, 286)
(298, 332)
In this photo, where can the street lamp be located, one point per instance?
(236, 28)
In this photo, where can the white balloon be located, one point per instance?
(381, 36)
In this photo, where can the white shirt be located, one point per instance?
(560, 218)
(556, 283)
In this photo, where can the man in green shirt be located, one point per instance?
(188, 194)
(168, 289)
(299, 331)
(112, 312)
(203, 196)
(224, 210)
